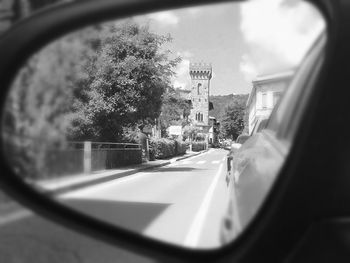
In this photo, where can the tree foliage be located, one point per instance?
(175, 109)
(192, 133)
(232, 124)
(39, 105)
(221, 102)
(127, 77)
(90, 85)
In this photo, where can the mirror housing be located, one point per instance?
(35, 33)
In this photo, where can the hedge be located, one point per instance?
(164, 148)
(198, 146)
(180, 147)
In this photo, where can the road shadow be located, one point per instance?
(135, 216)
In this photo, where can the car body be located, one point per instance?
(242, 138)
(253, 167)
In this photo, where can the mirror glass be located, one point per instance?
(135, 121)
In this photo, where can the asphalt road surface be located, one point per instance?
(181, 203)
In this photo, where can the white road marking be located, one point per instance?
(14, 216)
(217, 161)
(193, 235)
(200, 162)
(186, 162)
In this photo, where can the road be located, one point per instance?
(181, 203)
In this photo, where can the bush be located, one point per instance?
(180, 147)
(198, 146)
(164, 148)
(152, 153)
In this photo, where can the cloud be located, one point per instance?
(182, 78)
(165, 18)
(179, 84)
(194, 11)
(247, 67)
(184, 54)
(278, 33)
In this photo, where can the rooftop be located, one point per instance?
(269, 78)
(200, 66)
(274, 76)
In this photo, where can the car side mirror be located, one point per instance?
(56, 92)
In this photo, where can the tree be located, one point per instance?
(233, 122)
(191, 132)
(221, 102)
(87, 85)
(39, 104)
(127, 78)
(175, 110)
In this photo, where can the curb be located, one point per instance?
(68, 188)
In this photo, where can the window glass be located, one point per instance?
(264, 100)
(276, 97)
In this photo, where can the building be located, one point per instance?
(213, 131)
(266, 92)
(201, 74)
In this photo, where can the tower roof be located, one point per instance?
(201, 68)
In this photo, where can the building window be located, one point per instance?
(276, 97)
(199, 116)
(264, 100)
(199, 88)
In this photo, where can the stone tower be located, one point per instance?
(200, 86)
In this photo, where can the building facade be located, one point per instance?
(266, 92)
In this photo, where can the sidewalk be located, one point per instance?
(55, 186)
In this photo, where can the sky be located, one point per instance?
(241, 40)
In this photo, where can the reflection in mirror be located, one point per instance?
(134, 121)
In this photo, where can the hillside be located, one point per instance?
(221, 102)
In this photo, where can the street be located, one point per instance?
(180, 203)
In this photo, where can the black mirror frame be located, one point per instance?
(33, 33)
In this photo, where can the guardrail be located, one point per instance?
(37, 157)
(92, 156)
